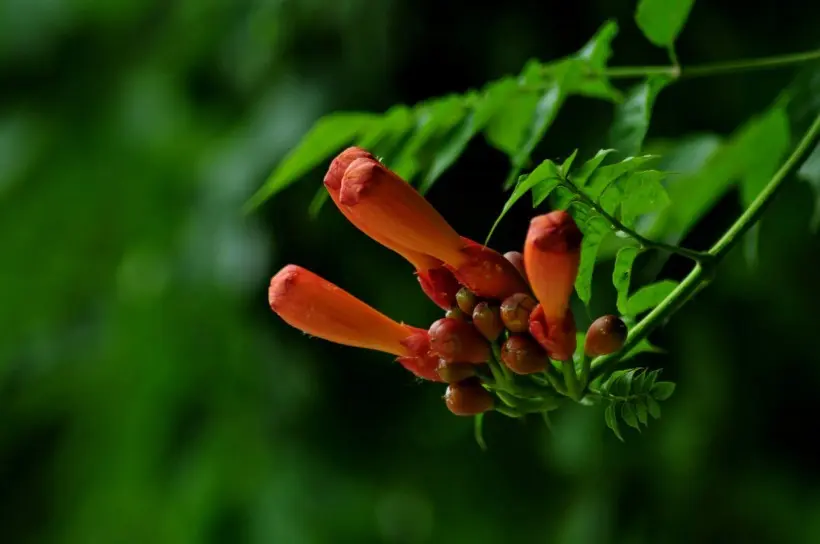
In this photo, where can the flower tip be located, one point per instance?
(281, 283)
(555, 232)
(337, 168)
(359, 177)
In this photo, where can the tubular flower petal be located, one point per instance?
(456, 341)
(551, 256)
(486, 272)
(319, 308)
(333, 183)
(380, 201)
(440, 285)
(421, 360)
(556, 335)
(437, 282)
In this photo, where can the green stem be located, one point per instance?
(586, 367)
(696, 256)
(629, 72)
(700, 275)
(571, 379)
(758, 206)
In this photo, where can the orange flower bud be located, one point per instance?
(382, 202)
(517, 260)
(556, 335)
(486, 272)
(437, 282)
(457, 341)
(468, 398)
(523, 355)
(515, 312)
(319, 308)
(606, 335)
(551, 256)
(487, 319)
(455, 372)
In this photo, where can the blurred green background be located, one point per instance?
(149, 395)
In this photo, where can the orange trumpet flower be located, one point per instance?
(319, 308)
(436, 281)
(391, 211)
(552, 253)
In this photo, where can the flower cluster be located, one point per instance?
(518, 300)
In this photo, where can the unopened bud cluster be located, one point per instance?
(515, 305)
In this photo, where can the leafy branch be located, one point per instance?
(701, 274)
(711, 69)
(697, 256)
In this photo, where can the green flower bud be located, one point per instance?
(487, 319)
(466, 300)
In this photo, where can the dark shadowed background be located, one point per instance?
(149, 395)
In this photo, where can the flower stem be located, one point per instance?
(702, 273)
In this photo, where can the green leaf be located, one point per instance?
(545, 172)
(649, 296)
(653, 407)
(611, 419)
(434, 119)
(641, 411)
(622, 274)
(595, 54)
(582, 174)
(632, 115)
(644, 346)
(810, 173)
(546, 109)
(604, 176)
(693, 194)
(542, 190)
(651, 377)
(643, 193)
(567, 164)
(327, 136)
(478, 430)
(662, 390)
(629, 416)
(506, 128)
(773, 143)
(318, 200)
(484, 107)
(594, 232)
(662, 20)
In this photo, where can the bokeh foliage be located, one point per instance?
(148, 395)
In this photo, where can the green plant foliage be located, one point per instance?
(662, 20)
(327, 136)
(633, 395)
(594, 229)
(632, 116)
(810, 173)
(622, 275)
(649, 296)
